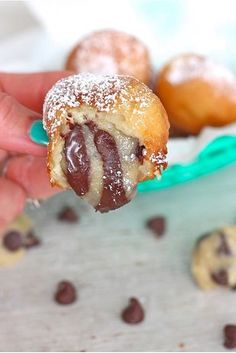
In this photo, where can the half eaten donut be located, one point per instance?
(106, 133)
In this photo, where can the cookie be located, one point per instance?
(214, 259)
(16, 238)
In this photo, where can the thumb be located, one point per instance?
(15, 122)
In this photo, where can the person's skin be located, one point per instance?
(23, 172)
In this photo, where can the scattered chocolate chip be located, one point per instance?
(181, 345)
(133, 313)
(12, 240)
(139, 153)
(66, 293)
(69, 115)
(68, 214)
(223, 248)
(30, 240)
(220, 277)
(230, 336)
(157, 225)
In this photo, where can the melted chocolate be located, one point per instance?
(77, 161)
(139, 153)
(113, 193)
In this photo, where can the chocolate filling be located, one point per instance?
(113, 193)
(78, 166)
(77, 161)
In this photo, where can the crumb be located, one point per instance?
(30, 240)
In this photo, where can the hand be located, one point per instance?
(23, 172)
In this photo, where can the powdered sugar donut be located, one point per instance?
(111, 52)
(106, 134)
(197, 92)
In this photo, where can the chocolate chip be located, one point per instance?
(71, 125)
(68, 214)
(133, 313)
(31, 240)
(230, 336)
(12, 240)
(181, 345)
(66, 293)
(69, 115)
(223, 248)
(139, 153)
(157, 225)
(220, 277)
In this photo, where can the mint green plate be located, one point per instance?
(218, 154)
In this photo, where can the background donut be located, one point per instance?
(111, 52)
(196, 92)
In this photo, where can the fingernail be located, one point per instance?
(37, 133)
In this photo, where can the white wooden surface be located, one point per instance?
(112, 257)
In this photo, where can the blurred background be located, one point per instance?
(167, 27)
(113, 257)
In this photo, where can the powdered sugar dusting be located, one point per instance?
(98, 91)
(189, 67)
(158, 158)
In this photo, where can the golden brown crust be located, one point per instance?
(111, 52)
(121, 100)
(196, 93)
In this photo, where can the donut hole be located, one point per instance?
(111, 52)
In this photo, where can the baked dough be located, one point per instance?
(106, 133)
(111, 52)
(214, 259)
(196, 92)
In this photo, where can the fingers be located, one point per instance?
(15, 122)
(30, 89)
(31, 174)
(3, 155)
(16, 92)
(12, 201)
